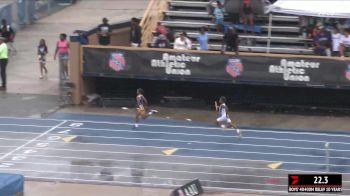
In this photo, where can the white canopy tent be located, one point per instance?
(316, 8)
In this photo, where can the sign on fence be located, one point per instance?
(215, 68)
(193, 188)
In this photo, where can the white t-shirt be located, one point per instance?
(345, 40)
(182, 44)
(336, 41)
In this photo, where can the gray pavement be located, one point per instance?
(23, 69)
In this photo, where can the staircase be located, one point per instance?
(191, 15)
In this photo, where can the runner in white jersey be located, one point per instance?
(223, 119)
(142, 110)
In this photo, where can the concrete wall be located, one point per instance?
(120, 37)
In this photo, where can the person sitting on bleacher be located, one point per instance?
(162, 42)
(182, 42)
(344, 43)
(161, 29)
(322, 43)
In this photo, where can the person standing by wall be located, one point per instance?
(8, 33)
(104, 31)
(219, 12)
(247, 14)
(3, 62)
(62, 49)
(336, 36)
(135, 33)
(42, 52)
(231, 41)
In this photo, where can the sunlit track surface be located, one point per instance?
(106, 150)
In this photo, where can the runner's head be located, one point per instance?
(139, 91)
(222, 100)
(63, 36)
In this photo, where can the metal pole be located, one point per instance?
(269, 34)
(327, 156)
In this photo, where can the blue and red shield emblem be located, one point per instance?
(234, 67)
(117, 61)
(347, 72)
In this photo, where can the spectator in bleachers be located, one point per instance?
(247, 14)
(103, 33)
(212, 5)
(231, 41)
(135, 33)
(182, 42)
(336, 36)
(219, 16)
(344, 43)
(316, 30)
(161, 29)
(203, 39)
(162, 42)
(322, 43)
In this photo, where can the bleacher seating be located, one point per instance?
(191, 15)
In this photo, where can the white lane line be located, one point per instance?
(32, 140)
(197, 142)
(144, 169)
(20, 132)
(172, 126)
(179, 133)
(191, 149)
(200, 142)
(234, 144)
(185, 164)
(20, 125)
(12, 139)
(195, 157)
(143, 177)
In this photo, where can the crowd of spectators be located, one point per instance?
(329, 37)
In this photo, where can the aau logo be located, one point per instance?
(347, 72)
(117, 61)
(234, 67)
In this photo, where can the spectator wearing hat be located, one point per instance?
(3, 61)
(104, 30)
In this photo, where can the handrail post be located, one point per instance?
(269, 34)
(327, 156)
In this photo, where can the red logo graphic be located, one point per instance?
(295, 179)
(117, 61)
(347, 72)
(234, 67)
